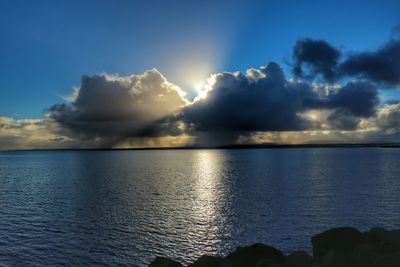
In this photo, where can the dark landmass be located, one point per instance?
(338, 247)
(236, 146)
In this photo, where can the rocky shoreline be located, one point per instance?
(337, 247)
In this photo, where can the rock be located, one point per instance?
(387, 260)
(338, 247)
(298, 259)
(270, 263)
(333, 258)
(249, 256)
(164, 262)
(382, 249)
(341, 240)
(210, 261)
(385, 243)
(363, 255)
(382, 235)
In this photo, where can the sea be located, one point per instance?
(125, 207)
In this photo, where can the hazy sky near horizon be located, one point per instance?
(48, 48)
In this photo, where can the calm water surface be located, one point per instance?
(125, 207)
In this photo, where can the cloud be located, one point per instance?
(333, 97)
(261, 100)
(313, 58)
(264, 100)
(26, 134)
(108, 111)
(387, 119)
(357, 98)
(342, 120)
(380, 66)
(115, 107)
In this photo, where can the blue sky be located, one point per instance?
(46, 46)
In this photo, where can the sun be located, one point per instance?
(201, 90)
(198, 86)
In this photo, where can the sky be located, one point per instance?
(86, 73)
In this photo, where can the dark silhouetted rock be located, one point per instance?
(363, 255)
(210, 261)
(298, 259)
(270, 263)
(382, 235)
(164, 262)
(333, 258)
(338, 247)
(387, 260)
(249, 256)
(342, 240)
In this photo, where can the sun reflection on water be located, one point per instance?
(209, 201)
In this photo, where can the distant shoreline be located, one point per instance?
(246, 146)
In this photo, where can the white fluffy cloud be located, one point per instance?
(114, 106)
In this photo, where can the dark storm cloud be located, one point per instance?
(238, 103)
(357, 98)
(381, 66)
(316, 57)
(313, 57)
(264, 101)
(342, 119)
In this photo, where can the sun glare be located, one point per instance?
(198, 86)
(202, 89)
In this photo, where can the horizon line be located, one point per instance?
(232, 146)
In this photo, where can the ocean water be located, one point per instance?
(123, 208)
